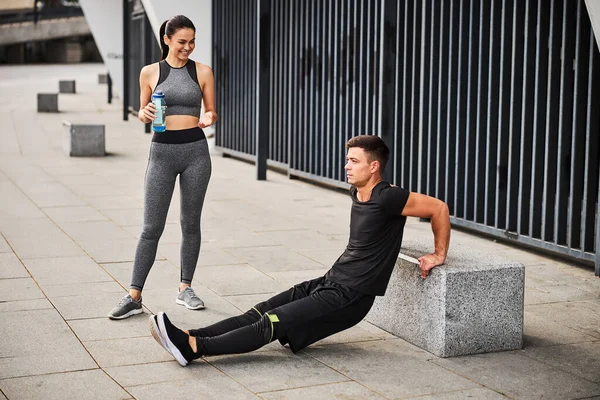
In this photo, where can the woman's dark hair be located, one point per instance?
(169, 27)
(374, 147)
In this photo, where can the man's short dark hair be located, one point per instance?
(374, 147)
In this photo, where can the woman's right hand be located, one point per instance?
(148, 113)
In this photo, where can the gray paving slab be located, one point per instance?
(91, 189)
(268, 371)
(4, 247)
(52, 194)
(94, 231)
(48, 348)
(25, 305)
(274, 258)
(19, 289)
(126, 217)
(290, 278)
(574, 315)
(581, 359)
(11, 267)
(543, 330)
(113, 202)
(343, 390)
(408, 372)
(208, 257)
(302, 239)
(162, 275)
(65, 270)
(95, 329)
(215, 386)
(324, 257)
(241, 237)
(478, 393)
(55, 243)
(110, 249)
(519, 376)
(94, 384)
(74, 214)
(78, 289)
(161, 372)
(539, 296)
(127, 351)
(248, 280)
(244, 302)
(15, 205)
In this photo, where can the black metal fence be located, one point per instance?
(489, 105)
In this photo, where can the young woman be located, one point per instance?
(180, 150)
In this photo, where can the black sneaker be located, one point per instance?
(156, 333)
(177, 341)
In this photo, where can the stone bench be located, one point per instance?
(66, 86)
(472, 304)
(47, 102)
(84, 140)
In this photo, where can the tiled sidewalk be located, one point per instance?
(69, 229)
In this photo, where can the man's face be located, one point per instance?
(358, 168)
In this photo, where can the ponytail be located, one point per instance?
(169, 27)
(164, 49)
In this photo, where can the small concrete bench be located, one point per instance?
(102, 78)
(472, 304)
(84, 140)
(66, 86)
(47, 102)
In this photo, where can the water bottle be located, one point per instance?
(160, 122)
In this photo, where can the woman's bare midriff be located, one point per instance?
(179, 122)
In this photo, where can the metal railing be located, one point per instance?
(489, 105)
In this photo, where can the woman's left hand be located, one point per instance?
(206, 120)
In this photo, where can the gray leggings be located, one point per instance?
(191, 161)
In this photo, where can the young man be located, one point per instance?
(313, 310)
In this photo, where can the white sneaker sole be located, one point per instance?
(171, 346)
(183, 303)
(157, 334)
(129, 314)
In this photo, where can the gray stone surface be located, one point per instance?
(66, 270)
(84, 140)
(19, 289)
(343, 390)
(11, 267)
(128, 351)
(40, 189)
(268, 371)
(394, 371)
(93, 384)
(39, 342)
(47, 102)
(472, 304)
(66, 86)
(478, 394)
(519, 376)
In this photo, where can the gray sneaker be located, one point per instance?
(126, 308)
(187, 297)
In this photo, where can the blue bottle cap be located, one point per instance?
(159, 93)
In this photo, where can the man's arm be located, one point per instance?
(422, 206)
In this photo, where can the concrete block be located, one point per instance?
(47, 102)
(66, 86)
(102, 78)
(473, 304)
(84, 140)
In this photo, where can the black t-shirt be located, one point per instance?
(376, 228)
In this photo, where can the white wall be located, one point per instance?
(199, 11)
(105, 19)
(593, 7)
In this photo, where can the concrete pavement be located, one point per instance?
(69, 227)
